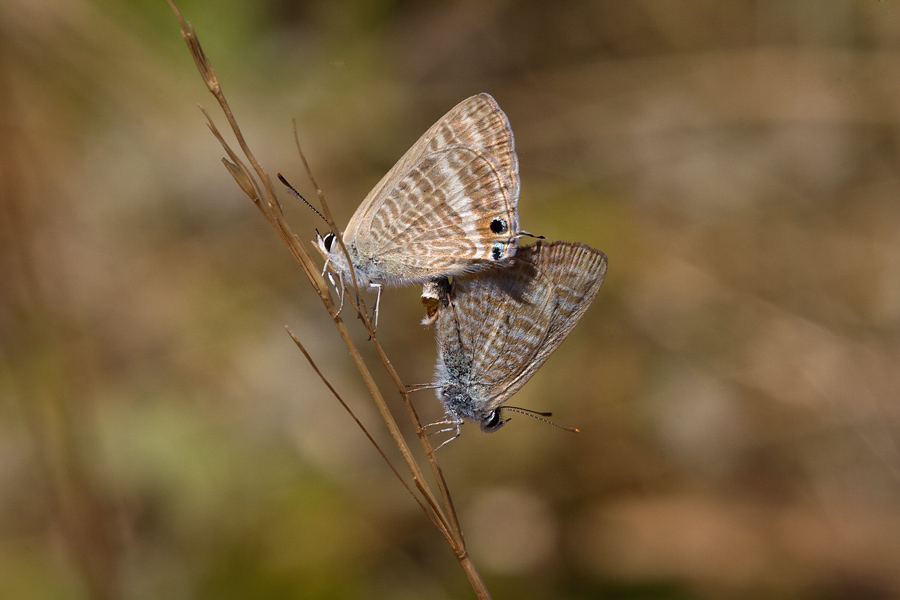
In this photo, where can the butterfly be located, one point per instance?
(495, 329)
(448, 207)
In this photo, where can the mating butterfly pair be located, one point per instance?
(449, 209)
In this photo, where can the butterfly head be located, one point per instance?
(325, 242)
(492, 421)
(330, 249)
(336, 260)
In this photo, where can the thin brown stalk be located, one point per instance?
(256, 183)
(389, 367)
(359, 423)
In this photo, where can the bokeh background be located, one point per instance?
(736, 381)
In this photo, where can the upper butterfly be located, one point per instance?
(448, 207)
(496, 329)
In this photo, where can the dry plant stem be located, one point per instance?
(359, 424)
(389, 367)
(271, 209)
(272, 212)
(456, 537)
(326, 212)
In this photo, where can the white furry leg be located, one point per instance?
(377, 305)
(452, 422)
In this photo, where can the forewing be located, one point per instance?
(476, 122)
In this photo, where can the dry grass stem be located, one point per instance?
(260, 190)
(359, 423)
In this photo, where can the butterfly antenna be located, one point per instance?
(296, 194)
(525, 233)
(539, 416)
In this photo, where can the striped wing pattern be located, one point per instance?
(432, 213)
(495, 329)
(437, 220)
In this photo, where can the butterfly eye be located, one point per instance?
(493, 422)
(497, 250)
(327, 241)
(498, 225)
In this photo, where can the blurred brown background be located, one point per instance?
(736, 380)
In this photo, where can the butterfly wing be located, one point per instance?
(511, 320)
(476, 122)
(575, 271)
(449, 203)
(450, 214)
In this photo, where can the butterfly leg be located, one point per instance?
(330, 275)
(454, 424)
(341, 294)
(450, 439)
(377, 304)
(339, 290)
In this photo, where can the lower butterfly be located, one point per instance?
(495, 329)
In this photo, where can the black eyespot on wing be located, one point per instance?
(498, 225)
(328, 240)
(497, 251)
